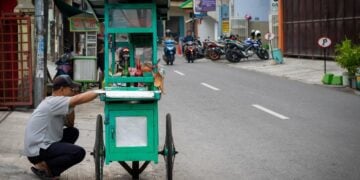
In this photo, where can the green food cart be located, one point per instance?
(84, 28)
(128, 132)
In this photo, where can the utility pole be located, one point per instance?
(220, 18)
(39, 85)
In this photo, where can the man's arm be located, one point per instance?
(83, 98)
(70, 119)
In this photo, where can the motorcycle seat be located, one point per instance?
(220, 45)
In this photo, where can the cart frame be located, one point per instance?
(129, 129)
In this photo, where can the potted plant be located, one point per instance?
(347, 55)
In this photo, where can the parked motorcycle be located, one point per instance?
(169, 51)
(255, 47)
(214, 50)
(199, 49)
(245, 50)
(234, 51)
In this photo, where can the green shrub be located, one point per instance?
(266, 46)
(347, 55)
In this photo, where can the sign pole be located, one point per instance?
(324, 60)
(269, 37)
(324, 42)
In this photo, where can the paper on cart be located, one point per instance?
(129, 94)
(131, 131)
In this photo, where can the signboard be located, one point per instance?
(224, 11)
(324, 42)
(204, 5)
(269, 36)
(225, 26)
(274, 6)
(83, 23)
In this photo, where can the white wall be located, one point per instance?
(206, 28)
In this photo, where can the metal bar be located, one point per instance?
(135, 168)
(143, 166)
(126, 167)
(135, 171)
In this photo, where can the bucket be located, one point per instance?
(277, 56)
(345, 81)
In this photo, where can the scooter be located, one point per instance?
(190, 51)
(169, 51)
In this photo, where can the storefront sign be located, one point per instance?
(83, 24)
(204, 5)
(274, 5)
(225, 26)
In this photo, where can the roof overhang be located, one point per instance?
(66, 9)
(187, 4)
(162, 6)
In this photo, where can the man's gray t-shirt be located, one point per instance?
(46, 124)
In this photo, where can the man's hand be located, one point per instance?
(99, 91)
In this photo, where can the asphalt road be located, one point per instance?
(236, 124)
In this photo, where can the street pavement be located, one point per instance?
(14, 165)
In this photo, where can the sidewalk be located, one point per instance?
(14, 166)
(304, 70)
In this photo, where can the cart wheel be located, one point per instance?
(169, 149)
(99, 150)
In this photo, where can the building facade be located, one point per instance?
(303, 22)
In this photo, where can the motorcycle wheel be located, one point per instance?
(233, 57)
(213, 55)
(264, 54)
(189, 58)
(206, 53)
(165, 59)
(171, 59)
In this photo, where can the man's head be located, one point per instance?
(189, 32)
(168, 32)
(63, 85)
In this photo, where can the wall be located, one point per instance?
(305, 21)
(206, 28)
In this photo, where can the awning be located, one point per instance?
(66, 9)
(189, 20)
(187, 4)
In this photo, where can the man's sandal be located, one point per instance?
(42, 174)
